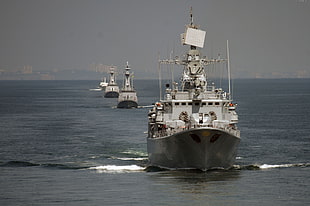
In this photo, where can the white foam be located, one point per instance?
(117, 168)
(95, 89)
(131, 158)
(266, 166)
(134, 152)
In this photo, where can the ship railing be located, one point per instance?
(210, 88)
(172, 130)
(228, 128)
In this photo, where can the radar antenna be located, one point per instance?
(193, 36)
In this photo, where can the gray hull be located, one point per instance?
(111, 94)
(127, 104)
(203, 148)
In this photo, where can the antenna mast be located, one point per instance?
(228, 68)
(191, 14)
(159, 78)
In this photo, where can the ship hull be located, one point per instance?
(127, 104)
(111, 94)
(203, 148)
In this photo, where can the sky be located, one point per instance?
(265, 36)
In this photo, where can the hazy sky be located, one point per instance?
(264, 35)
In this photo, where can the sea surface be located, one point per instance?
(63, 143)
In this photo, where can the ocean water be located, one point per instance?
(62, 143)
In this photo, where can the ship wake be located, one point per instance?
(117, 168)
(142, 166)
(268, 166)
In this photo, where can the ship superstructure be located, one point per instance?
(195, 125)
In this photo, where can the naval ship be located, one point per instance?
(112, 89)
(195, 125)
(128, 95)
(103, 84)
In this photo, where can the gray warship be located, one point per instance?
(128, 95)
(195, 125)
(112, 89)
(103, 84)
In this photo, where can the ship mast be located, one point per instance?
(127, 83)
(191, 14)
(112, 76)
(194, 76)
(228, 71)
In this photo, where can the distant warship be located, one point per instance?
(103, 84)
(128, 95)
(194, 126)
(112, 89)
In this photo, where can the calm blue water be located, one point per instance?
(64, 144)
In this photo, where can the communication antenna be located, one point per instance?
(228, 69)
(159, 77)
(171, 69)
(191, 14)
